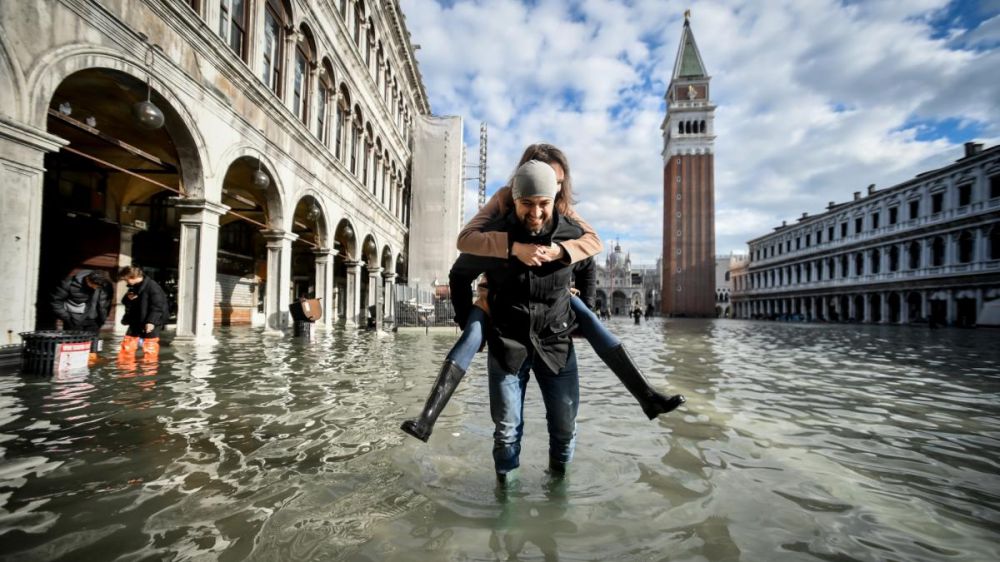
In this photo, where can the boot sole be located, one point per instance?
(410, 428)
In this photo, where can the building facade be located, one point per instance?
(724, 266)
(622, 287)
(925, 250)
(243, 152)
(688, 187)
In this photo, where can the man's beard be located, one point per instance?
(537, 230)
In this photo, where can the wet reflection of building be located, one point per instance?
(925, 250)
(278, 166)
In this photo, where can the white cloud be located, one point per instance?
(816, 98)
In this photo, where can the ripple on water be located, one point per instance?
(831, 442)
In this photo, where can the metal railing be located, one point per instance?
(417, 307)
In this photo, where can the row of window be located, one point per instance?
(315, 97)
(891, 258)
(691, 127)
(964, 196)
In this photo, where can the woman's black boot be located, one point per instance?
(447, 380)
(652, 401)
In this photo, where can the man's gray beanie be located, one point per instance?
(534, 179)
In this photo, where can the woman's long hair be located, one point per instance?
(549, 154)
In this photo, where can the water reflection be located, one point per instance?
(797, 441)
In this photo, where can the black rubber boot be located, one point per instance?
(653, 403)
(447, 380)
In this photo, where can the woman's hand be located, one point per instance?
(534, 255)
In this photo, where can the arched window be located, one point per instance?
(343, 9)
(701, 128)
(379, 65)
(233, 18)
(859, 264)
(359, 22)
(894, 258)
(370, 47)
(843, 266)
(994, 239)
(377, 167)
(937, 251)
(384, 182)
(276, 17)
(876, 261)
(387, 85)
(343, 112)
(305, 56)
(325, 102)
(366, 175)
(913, 251)
(966, 247)
(356, 139)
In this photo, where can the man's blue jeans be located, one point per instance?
(561, 395)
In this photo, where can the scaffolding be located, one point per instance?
(481, 176)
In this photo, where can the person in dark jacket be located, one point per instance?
(82, 301)
(145, 312)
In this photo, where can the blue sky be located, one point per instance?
(815, 99)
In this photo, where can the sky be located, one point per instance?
(815, 99)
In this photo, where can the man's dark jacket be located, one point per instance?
(73, 293)
(529, 306)
(148, 307)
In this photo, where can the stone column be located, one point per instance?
(952, 308)
(868, 308)
(979, 302)
(126, 237)
(852, 309)
(335, 304)
(904, 308)
(196, 268)
(324, 284)
(823, 310)
(22, 153)
(345, 138)
(353, 295)
(390, 295)
(288, 68)
(375, 294)
(883, 306)
(925, 306)
(313, 91)
(279, 279)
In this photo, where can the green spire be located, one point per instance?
(688, 63)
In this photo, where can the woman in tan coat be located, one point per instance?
(474, 240)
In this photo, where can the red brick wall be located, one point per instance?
(697, 236)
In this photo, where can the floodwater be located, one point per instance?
(798, 442)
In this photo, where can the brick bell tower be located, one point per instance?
(688, 186)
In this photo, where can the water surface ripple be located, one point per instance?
(798, 442)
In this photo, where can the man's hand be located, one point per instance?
(150, 328)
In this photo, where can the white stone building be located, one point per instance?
(925, 250)
(622, 286)
(281, 168)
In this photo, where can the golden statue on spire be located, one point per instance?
(687, 15)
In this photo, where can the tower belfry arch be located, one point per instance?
(688, 275)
